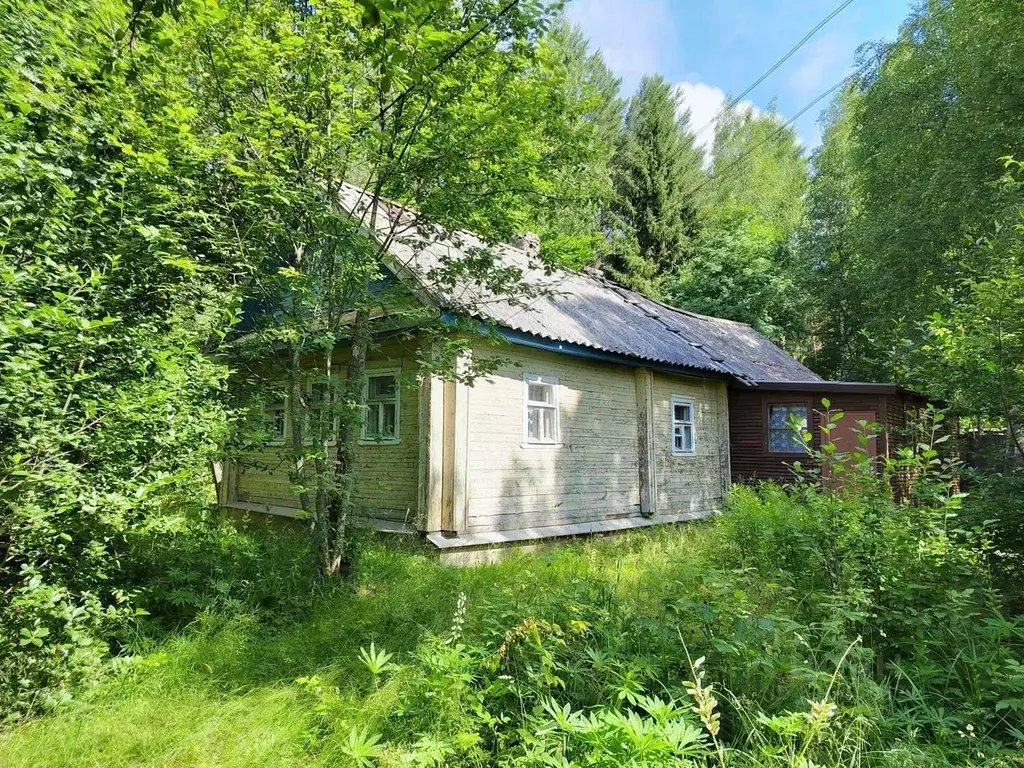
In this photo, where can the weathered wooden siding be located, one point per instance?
(386, 474)
(697, 482)
(751, 459)
(593, 475)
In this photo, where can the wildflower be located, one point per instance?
(459, 620)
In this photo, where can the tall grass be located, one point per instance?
(584, 655)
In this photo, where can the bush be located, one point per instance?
(789, 637)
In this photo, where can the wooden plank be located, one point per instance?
(431, 469)
(447, 522)
(647, 470)
(460, 455)
(558, 531)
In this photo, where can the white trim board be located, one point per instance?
(559, 531)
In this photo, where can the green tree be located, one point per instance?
(970, 351)
(744, 271)
(571, 218)
(460, 116)
(745, 267)
(113, 294)
(657, 171)
(936, 114)
(835, 277)
(758, 168)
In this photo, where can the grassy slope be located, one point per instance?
(224, 692)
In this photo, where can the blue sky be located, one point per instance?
(712, 48)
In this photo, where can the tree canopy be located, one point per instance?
(657, 172)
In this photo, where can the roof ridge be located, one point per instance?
(720, 361)
(688, 312)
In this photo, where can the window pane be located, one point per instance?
(372, 421)
(381, 387)
(800, 412)
(682, 412)
(533, 423)
(277, 423)
(541, 393)
(388, 415)
(687, 438)
(548, 420)
(677, 439)
(777, 416)
(784, 441)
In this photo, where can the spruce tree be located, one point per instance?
(657, 172)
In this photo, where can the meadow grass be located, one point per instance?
(582, 654)
(223, 691)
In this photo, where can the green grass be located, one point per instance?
(224, 693)
(595, 628)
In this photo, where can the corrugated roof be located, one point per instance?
(576, 308)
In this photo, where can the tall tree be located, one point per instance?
(456, 113)
(758, 168)
(114, 265)
(745, 267)
(571, 218)
(834, 274)
(970, 351)
(938, 112)
(658, 169)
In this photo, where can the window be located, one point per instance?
(540, 420)
(276, 423)
(782, 437)
(682, 425)
(381, 422)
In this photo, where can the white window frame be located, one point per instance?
(673, 423)
(552, 381)
(364, 438)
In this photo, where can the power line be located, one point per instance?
(451, 55)
(775, 66)
(718, 175)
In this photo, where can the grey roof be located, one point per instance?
(577, 308)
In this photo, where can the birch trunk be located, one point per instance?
(341, 503)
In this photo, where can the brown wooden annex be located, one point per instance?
(763, 445)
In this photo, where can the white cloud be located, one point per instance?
(632, 36)
(705, 102)
(820, 66)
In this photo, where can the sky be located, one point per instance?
(712, 49)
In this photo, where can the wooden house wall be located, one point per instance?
(698, 482)
(592, 475)
(386, 473)
(750, 457)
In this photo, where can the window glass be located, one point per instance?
(276, 423)
(782, 437)
(381, 387)
(682, 425)
(381, 422)
(541, 418)
(541, 393)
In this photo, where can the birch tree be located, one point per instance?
(443, 108)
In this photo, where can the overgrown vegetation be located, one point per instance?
(165, 163)
(803, 627)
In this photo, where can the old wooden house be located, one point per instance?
(608, 411)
